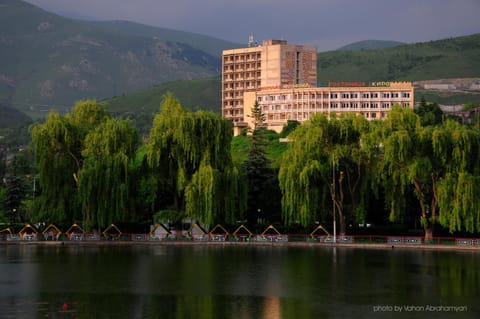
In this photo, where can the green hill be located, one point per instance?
(369, 45)
(450, 58)
(457, 57)
(141, 106)
(47, 61)
(10, 117)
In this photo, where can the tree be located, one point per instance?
(103, 181)
(434, 161)
(458, 189)
(190, 153)
(14, 194)
(430, 113)
(82, 161)
(324, 162)
(260, 178)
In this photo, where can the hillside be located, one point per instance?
(369, 45)
(201, 42)
(141, 106)
(450, 58)
(412, 62)
(10, 117)
(47, 61)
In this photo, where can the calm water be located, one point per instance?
(236, 282)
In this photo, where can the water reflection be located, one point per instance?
(232, 282)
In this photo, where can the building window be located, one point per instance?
(345, 95)
(333, 95)
(406, 95)
(386, 95)
(365, 96)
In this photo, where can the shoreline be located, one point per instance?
(245, 244)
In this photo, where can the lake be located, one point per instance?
(215, 281)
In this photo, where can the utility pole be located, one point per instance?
(333, 201)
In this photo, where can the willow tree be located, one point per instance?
(103, 181)
(439, 163)
(325, 162)
(190, 152)
(458, 189)
(82, 161)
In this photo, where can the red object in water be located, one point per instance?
(64, 306)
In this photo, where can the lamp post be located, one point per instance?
(333, 201)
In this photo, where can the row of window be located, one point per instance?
(365, 95)
(305, 116)
(247, 66)
(242, 57)
(333, 105)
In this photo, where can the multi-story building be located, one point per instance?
(283, 79)
(371, 100)
(272, 65)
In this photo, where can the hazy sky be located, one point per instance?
(328, 24)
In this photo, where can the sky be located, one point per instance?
(326, 24)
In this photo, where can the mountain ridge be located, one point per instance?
(369, 45)
(48, 62)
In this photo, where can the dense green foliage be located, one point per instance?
(83, 161)
(189, 152)
(412, 167)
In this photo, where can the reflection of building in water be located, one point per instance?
(272, 308)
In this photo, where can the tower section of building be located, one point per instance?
(272, 65)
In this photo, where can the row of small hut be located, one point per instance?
(158, 232)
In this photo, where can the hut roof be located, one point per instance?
(319, 227)
(271, 230)
(26, 228)
(161, 228)
(196, 229)
(112, 230)
(6, 230)
(51, 227)
(219, 229)
(73, 228)
(239, 230)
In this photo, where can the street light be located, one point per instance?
(333, 201)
